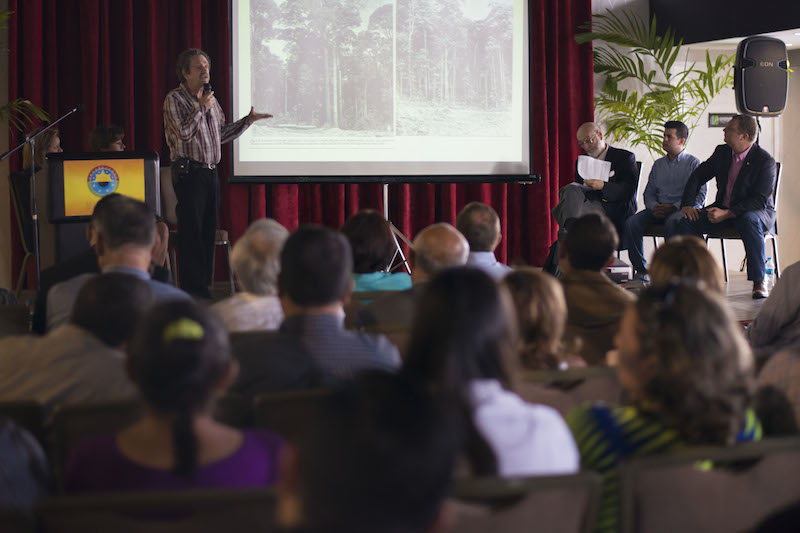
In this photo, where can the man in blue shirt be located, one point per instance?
(662, 196)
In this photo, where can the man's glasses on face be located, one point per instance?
(588, 141)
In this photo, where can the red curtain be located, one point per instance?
(117, 58)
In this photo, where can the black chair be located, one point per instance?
(20, 198)
(546, 504)
(14, 319)
(73, 423)
(289, 414)
(196, 511)
(28, 415)
(711, 489)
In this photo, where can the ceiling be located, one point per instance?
(790, 37)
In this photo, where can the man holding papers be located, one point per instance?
(605, 181)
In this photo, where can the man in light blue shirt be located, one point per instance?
(480, 225)
(662, 196)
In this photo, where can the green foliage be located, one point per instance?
(20, 113)
(633, 50)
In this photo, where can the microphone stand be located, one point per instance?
(29, 140)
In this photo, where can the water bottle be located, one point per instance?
(770, 273)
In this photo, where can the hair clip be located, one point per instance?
(183, 328)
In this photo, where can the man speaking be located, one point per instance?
(195, 128)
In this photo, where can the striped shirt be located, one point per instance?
(606, 436)
(195, 134)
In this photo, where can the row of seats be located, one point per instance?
(285, 413)
(660, 494)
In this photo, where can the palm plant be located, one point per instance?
(632, 50)
(20, 113)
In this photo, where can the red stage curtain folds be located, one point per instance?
(117, 58)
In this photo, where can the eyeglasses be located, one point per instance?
(588, 141)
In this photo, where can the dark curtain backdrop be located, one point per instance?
(117, 58)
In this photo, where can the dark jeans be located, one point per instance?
(633, 235)
(748, 224)
(197, 191)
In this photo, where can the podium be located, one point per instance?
(73, 185)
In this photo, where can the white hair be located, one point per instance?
(256, 257)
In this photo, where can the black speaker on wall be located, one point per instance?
(761, 76)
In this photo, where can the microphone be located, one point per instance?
(206, 88)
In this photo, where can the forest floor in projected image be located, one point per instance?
(359, 68)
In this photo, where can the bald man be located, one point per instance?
(436, 248)
(616, 197)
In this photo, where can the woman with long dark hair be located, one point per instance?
(463, 345)
(179, 359)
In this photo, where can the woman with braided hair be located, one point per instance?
(179, 359)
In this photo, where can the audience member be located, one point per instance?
(86, 262)
(480, 225)
(687, 257)
(81, 361)
(463, 344)
(745, 175)
(256, 262)
(687, 370)
(782, 371)
(777, 324)
(663, 193)
(370, 237)
(541, 312)
(107, 138)
(595, 304)
(314, 284)
(436, 248)
(25, 473)
(49, 142)
(379, 459)
(179, 359)
(125, 238)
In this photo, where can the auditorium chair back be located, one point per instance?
(543, 504)
(196, 511)
(713, 490)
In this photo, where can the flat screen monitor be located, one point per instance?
(78, 180)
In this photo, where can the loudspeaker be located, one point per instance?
(761, 76)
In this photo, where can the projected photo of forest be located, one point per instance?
(328, 67)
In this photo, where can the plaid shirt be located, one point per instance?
(194, 134)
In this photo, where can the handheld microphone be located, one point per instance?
(206, 88)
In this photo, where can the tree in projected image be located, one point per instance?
(454, 68)
(318, 67)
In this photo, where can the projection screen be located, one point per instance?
(381, 88)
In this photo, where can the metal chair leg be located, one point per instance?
(775, 253)
(724, 259)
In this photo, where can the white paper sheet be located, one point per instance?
(590, 168)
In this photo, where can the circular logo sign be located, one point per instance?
(103, 180)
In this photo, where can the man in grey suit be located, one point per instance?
(314, 284)
(436, 248)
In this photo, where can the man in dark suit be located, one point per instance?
(615, 197)
(745, 175)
